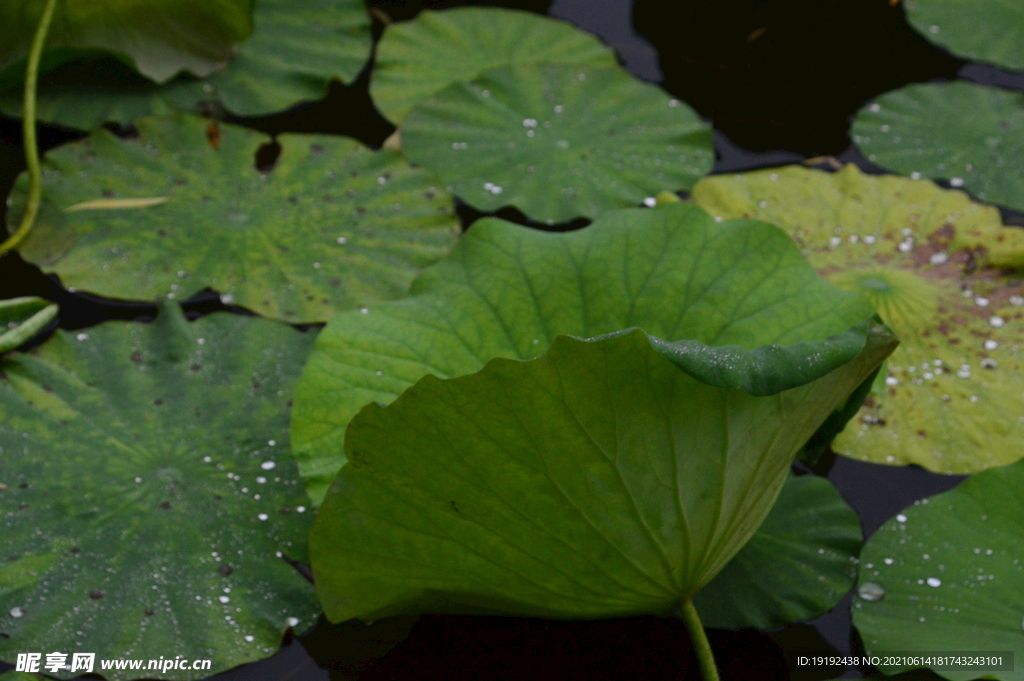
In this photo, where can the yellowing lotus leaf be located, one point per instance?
(938, 268)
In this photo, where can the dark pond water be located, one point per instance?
(780, 80)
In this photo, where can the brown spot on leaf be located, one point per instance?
(213, 135)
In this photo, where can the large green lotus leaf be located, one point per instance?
(159, 38)
(555, 140)
(798, 565)
(505, 291)
(946, 574)
(416, 59)
(597, 480)
(970, 134)
(333, 226)
(988, 30)
(146, 487)
(296, 49)
(924, 256)
(22, 318)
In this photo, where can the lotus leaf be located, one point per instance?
(597, 480)
(158, 38)
(988, 30)
(554, 140)
(971, 135)
(926, 258)
(797, 566)
(416, 59)
(23, 318)
(296, 49)
(946, 575)
(145, 488)
(334, 225)
(506, 291)
(19, 676)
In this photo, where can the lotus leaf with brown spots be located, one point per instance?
(937, 268)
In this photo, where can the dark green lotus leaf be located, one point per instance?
(159, 38)
(19, 676)
(986, 30)
(23, 318)
(798, 565)
(946, 574)
(929, 259)
(296, 49)
(969, 134)
(505, 291)
(597, 480)
(146, 488)
(555, 140)
(416, 59)
(333, 226)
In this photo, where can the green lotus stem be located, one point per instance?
(28, 122)
(706, 658)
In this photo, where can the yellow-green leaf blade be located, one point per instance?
(952, 399)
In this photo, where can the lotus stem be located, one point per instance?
(701, 646)
(28, 122)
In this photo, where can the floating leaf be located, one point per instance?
(946, 575)
(20, 676)
(971, 135)
(505, 291)
(987, 30)
(555, 141)
(22, 318)
(147, 485)
(796, 567)
(951, 400)
(333, 226)
(419, 58)
(159, 38)
(598, 480)
(296, 49)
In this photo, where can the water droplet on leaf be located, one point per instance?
(869, 591)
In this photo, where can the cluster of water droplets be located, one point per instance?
(977, 569)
